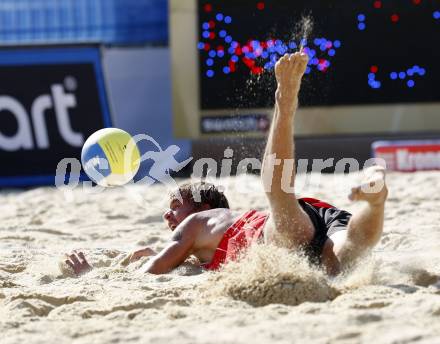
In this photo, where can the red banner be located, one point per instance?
(408, 156)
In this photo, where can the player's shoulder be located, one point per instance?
(203, 219)
(204, 216)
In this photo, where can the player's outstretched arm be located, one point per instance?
(178, 250)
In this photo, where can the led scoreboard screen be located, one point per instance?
(361, 53)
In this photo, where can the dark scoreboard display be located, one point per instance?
(360, 52)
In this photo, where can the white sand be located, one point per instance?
(391, 298)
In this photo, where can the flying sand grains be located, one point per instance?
(267, 275)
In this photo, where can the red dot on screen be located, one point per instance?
(261, 5)
(395, 18)
(377, 4)
(374, 69)
(208, 8)
(417, 2)
(207, 47)
(211, 24)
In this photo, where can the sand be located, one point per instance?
(272, 296)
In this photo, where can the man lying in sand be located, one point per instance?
(210, 231)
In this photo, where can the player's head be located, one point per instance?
(195, 197)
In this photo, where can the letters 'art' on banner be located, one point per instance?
(51, 100)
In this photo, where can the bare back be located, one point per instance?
(214, 223)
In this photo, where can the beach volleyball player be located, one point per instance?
(205, 227)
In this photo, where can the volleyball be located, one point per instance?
(110, 157)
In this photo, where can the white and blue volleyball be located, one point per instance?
(110, 157)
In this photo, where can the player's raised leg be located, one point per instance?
(365, 227)
(291, 226)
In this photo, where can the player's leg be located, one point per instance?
(290, 226)
(365, 226)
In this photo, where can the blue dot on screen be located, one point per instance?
(304, 42)
(410, 72)
(209, 62)
(361, 17)
(374, 84)
(402, 75)
(234, 58)
(220, 53)
(226, 70)
(222, 33)
(436, 15)
(323, 47)
(292, 45)
(210, 73)
(234, 44)
(371, 76)
(201, 45)
(228, 39)
(393, 76)
(410, 83)
(282, 50)
(231, 50)
(205, 26)
(205, 34)
(212, 53)
(331, 52)
(308, 70)
(422, 71)
(337, 44)
(317, 41)
(264, 54)
(219, 17)
(361, 26)
(228, 20)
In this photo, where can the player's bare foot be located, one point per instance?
(289, 71)
(373, 188)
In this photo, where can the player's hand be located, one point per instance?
(146, 252)
(78, 262)
(289, 71)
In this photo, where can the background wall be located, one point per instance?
(139, 89)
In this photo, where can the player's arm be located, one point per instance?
(179, 249)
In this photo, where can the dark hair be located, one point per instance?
(202, 193)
